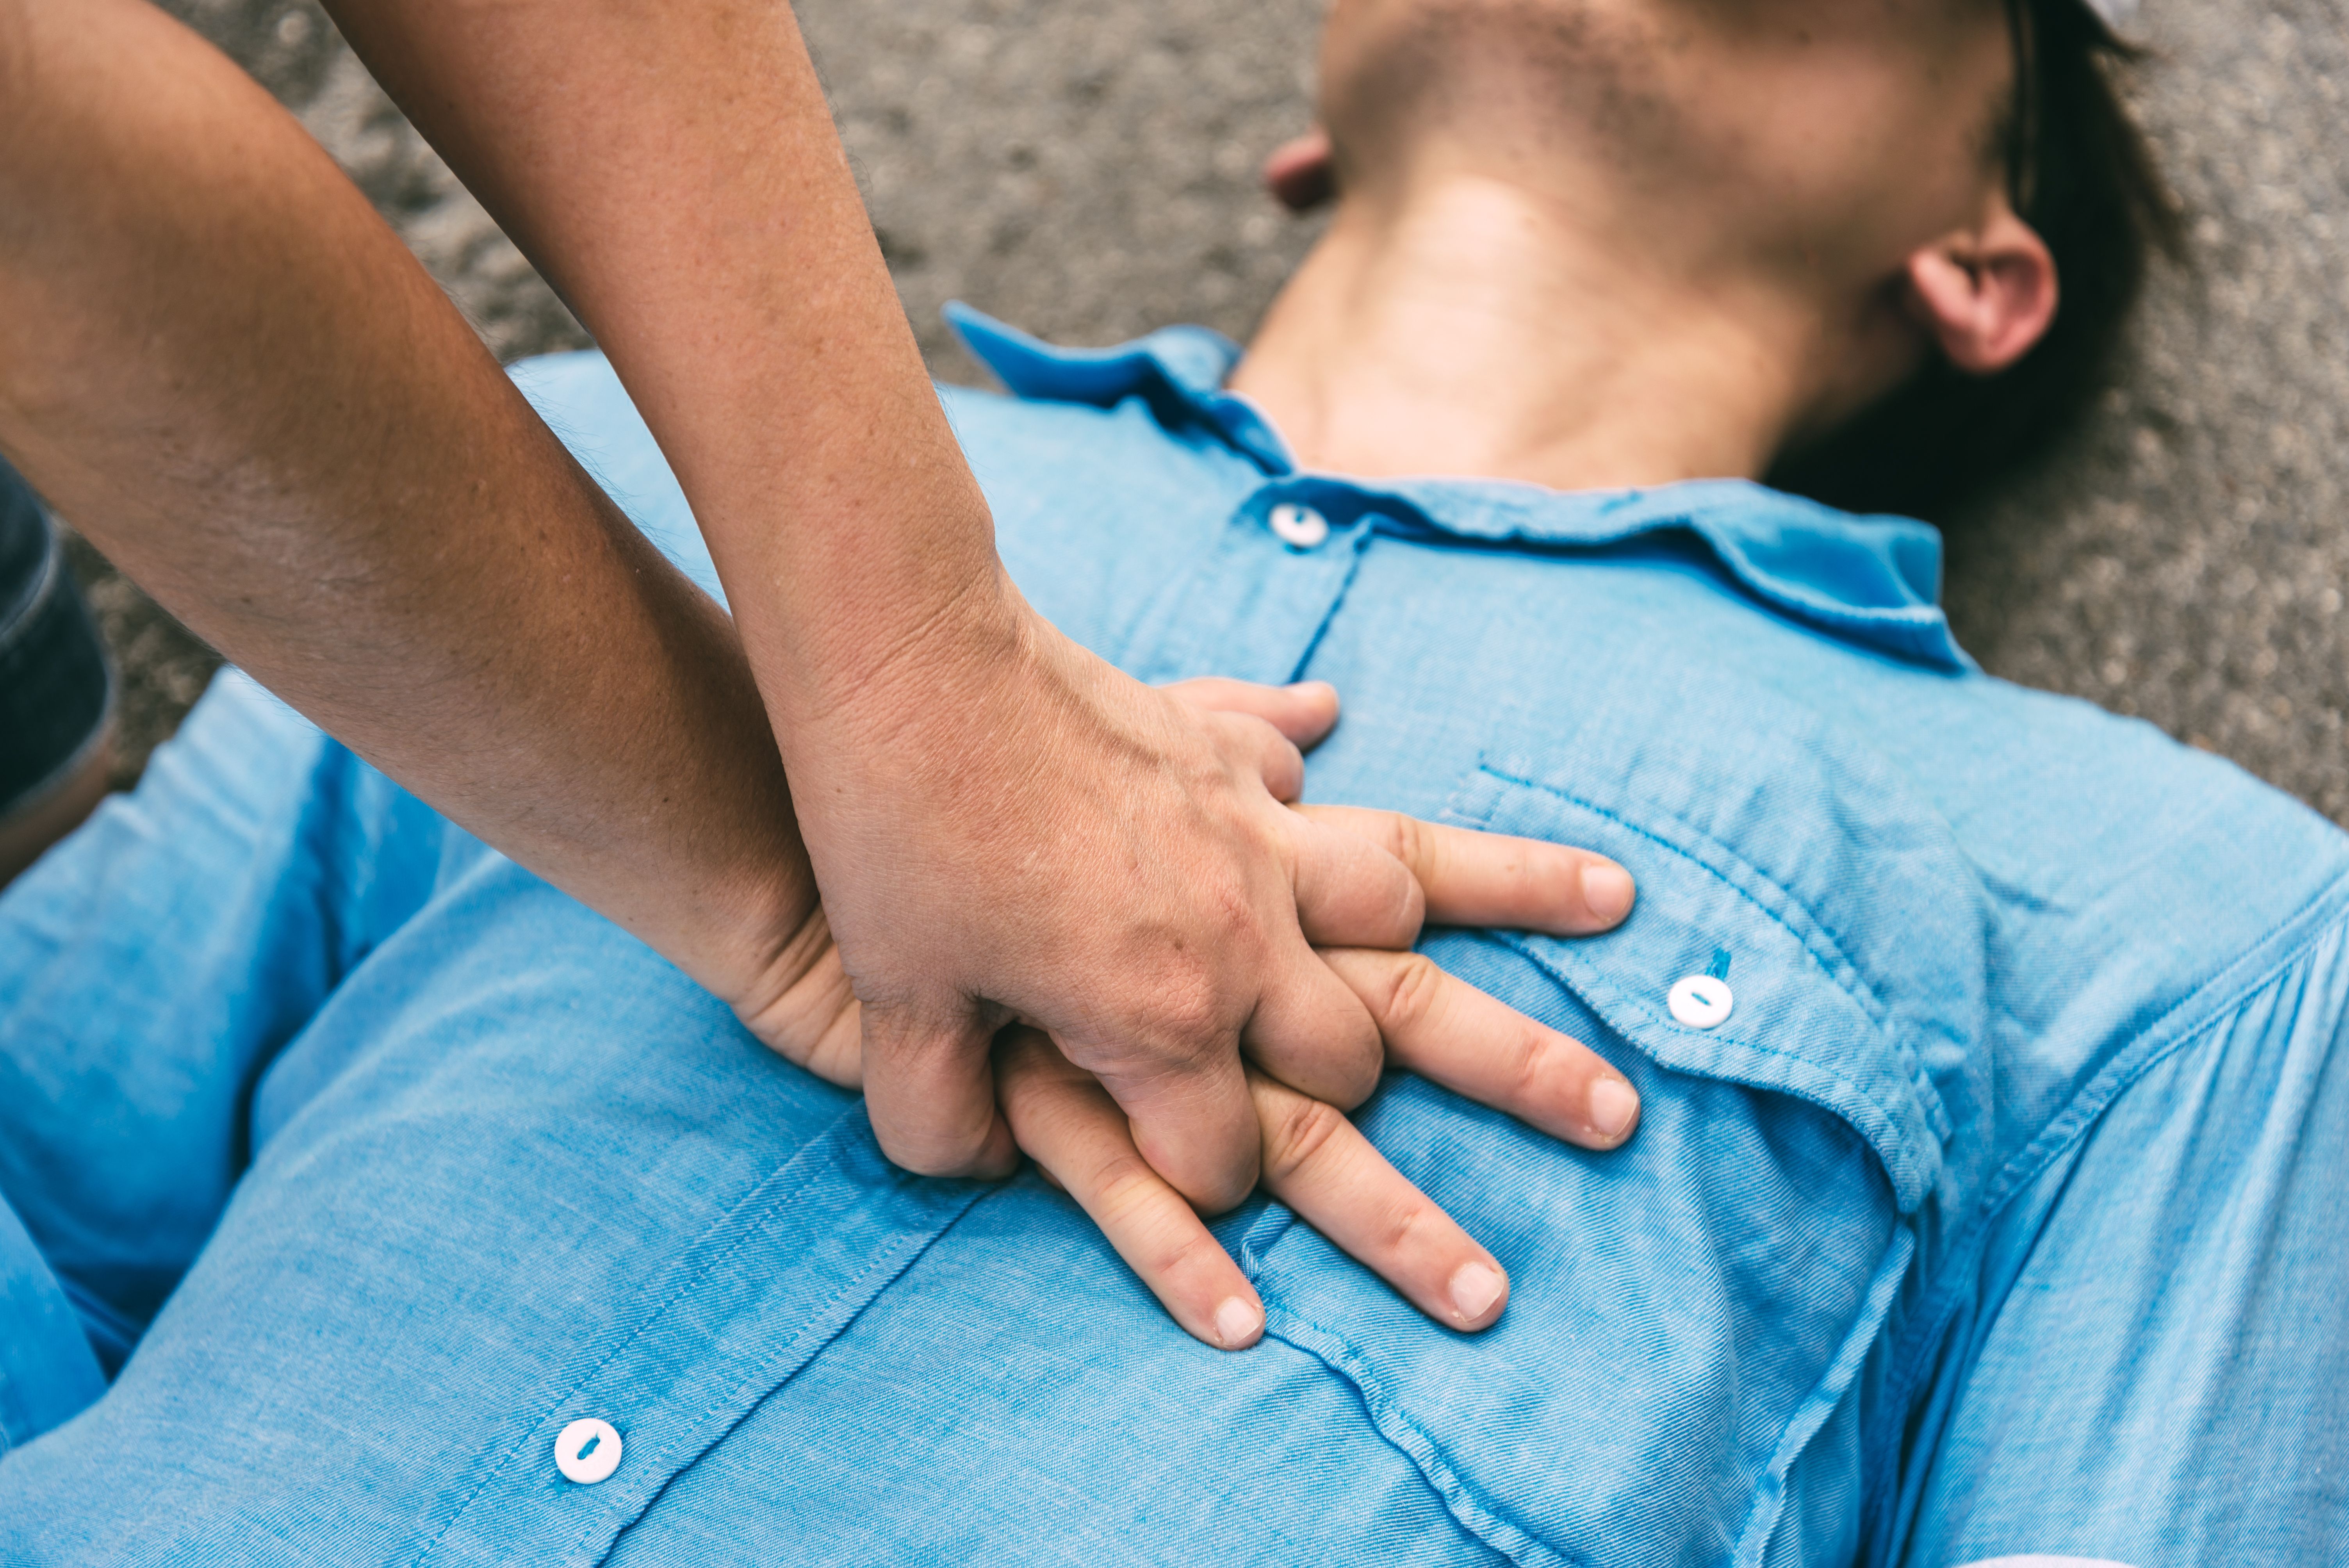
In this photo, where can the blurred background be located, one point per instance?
(1087, 169)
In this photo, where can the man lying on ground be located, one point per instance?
(1983, 1038)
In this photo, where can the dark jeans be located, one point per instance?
(56, 685)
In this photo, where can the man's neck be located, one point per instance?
(1475, 328)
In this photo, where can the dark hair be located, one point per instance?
(2080, 172)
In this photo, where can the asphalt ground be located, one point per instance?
(1086, 169)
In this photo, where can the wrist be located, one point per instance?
(921, 660)
(744, 937)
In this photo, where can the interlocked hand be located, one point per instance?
(1419, 1017)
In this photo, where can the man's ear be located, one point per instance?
(1300, 173)
(1986, 294)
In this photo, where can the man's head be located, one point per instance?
(1918, 172)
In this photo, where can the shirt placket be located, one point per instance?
(735, 1318)
(1262, 593)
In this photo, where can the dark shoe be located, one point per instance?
(57, 689)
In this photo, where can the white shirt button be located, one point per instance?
(1702, 1001)
(1300, 526)
(587, 1452)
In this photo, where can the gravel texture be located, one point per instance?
(2188, 560)
(1086, 168)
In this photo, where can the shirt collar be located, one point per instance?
(1872, 580)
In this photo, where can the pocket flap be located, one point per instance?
(1690, 1312)
(1802, 1019)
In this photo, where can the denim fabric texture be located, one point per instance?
(55, 686)
(1999, 1218)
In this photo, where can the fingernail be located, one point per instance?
(1474, 1288)
(1614, 1105)
(1606, 892)
(1237, 1324)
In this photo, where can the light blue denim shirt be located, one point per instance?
(1982, 1224)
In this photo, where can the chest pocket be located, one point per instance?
(1689, 1314)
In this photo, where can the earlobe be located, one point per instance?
(1986, 295)
(1300, 173)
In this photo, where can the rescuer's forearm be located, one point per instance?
(218, 362)
(673, 170)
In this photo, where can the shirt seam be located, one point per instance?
(1359, 547)
(2079, 1115)
(1816, 1408)
(1466, 1502)
(889, 1258)
(2085, 1107)
(755, 1198)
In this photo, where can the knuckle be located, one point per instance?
(1414, 988)
(1183, 1249)
(1174, 1247)
(1527, 1060)
(1300, 1130)
(1407, 1225)
(1242, 735)
(1147, 1220)
(1124, 1187)
(1414, 845)
(1182, 1013)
